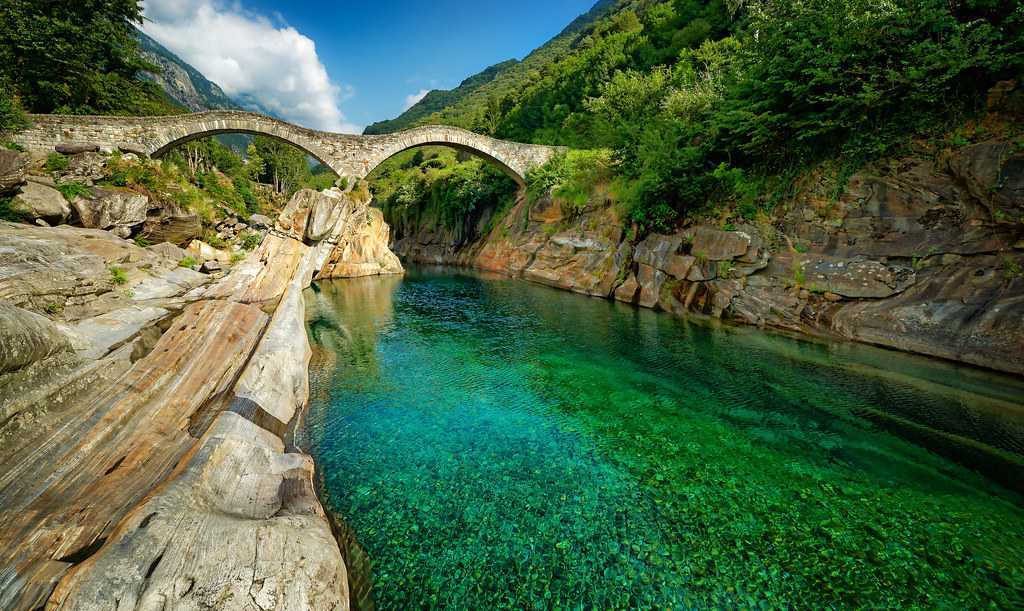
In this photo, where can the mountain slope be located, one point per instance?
(463, 105)
(181, 82)
(439, 99)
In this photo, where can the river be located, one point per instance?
(493, 443)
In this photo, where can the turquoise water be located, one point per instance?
(492, 443)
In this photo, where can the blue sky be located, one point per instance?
(343, 65)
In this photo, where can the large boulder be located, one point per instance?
(717, 245)
(201, 251)
(111, 208)
(292, 220)
(37, 201)
(364, 251)
(85, 168)
(172, 226)
(12, 170)
(312, 215)
(324, 214)
(259, 221)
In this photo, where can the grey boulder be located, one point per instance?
(38, 201)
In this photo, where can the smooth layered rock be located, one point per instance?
(108, 448)
(969, 312)
(111, 208)
(95, 337)
(238, 527)
(174, 282)
(855, 278)
(38, 201)
(264, 274)
(44, 268)
(993, 173)
(27, 337)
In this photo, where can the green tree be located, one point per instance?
(76, 57)
(285, 167)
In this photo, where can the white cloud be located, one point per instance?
(412, 98)
(252, 58)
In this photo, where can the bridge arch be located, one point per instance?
(282, 135)
(346, 154)
(512, 158)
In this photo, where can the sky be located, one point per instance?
(338, 65)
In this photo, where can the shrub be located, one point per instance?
(118, 275)
(250, 240)
(214, 240)
(188, 262)
(55, 162)
(9, 214)
(73, 190)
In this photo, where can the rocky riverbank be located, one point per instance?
(921, 254)
(145, 410)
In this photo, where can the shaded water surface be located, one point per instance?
(497, 444)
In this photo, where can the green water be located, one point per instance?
(492, 443)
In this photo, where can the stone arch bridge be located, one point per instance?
(347, 155)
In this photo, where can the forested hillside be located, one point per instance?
(708, 101)
(467, 105)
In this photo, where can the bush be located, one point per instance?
(73, 190)
(572, 178)
(251, 240)
(214, 240)
(188, 262)
(8, 214)
(55, 162)
(118, 275)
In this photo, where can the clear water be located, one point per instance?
(492, 443)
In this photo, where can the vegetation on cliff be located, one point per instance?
(706, 101)
(436, 185)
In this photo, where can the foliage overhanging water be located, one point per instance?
(494, 443)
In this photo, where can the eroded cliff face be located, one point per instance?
(921, 255)
(146, 417)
